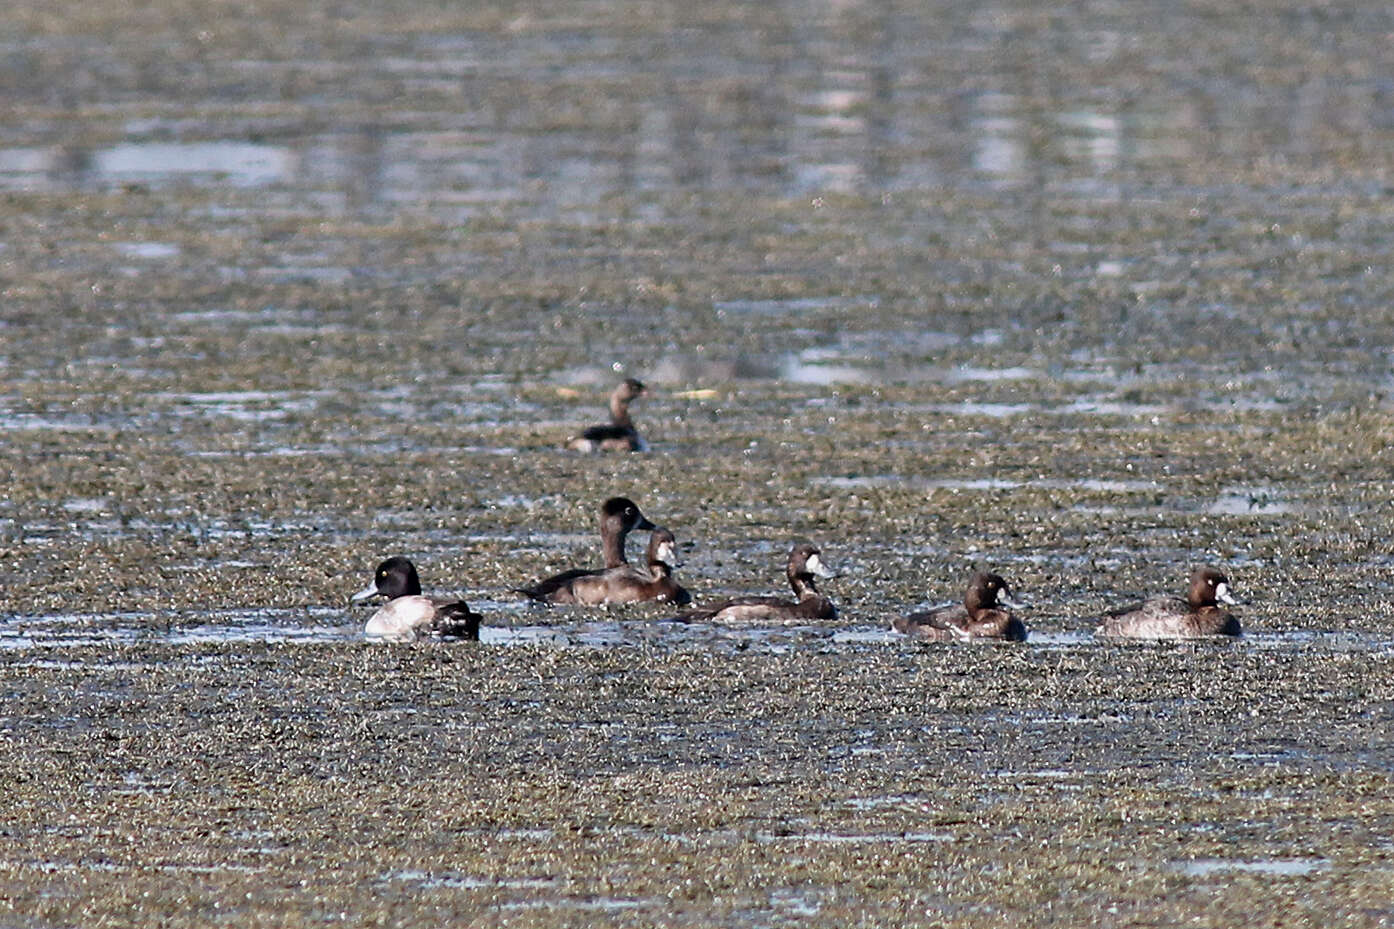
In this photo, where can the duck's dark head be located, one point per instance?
(624, 513)
(987, 591)
(1208, 588)
(395, 577)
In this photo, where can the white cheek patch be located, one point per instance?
(1222, 594)
(815, 566)
(666, 553)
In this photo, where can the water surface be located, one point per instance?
(1086, 295)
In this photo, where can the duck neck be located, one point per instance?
(612, 543)
(976, 603)
(803, 585)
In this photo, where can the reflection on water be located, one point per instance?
(237, 164)
(1000, 150)
(509, 625)
(148, 250)
(1250, 501)
(1273, 867)
(873, 838)
(213, 162)
(557, 116)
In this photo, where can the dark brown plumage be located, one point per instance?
(985, 613)
(1173, 618)
(619, 516)
(805, 563)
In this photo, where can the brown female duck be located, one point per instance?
(1173, 618)
(630, 584)
(619, 516)
(985, 613)
(805, 564)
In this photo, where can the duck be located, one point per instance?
(985, 613)
(630, 584)
(619, 433)
(408, 615)
(805, 564)
(619, 516)
(1196, 616)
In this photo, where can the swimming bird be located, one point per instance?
(407, 614)
(619, 516)
(1173, 618)
(632, 584)
(619, 433)
(985, 613)
(805, 564)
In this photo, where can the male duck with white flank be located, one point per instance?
(407, 614)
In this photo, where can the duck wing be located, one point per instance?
(555, 589)
(1153, 606)
(1148, 619)
(607, 432)
(949, 618)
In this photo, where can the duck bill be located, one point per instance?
(644, 523)
(364, 594)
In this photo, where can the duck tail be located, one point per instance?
(457, 620)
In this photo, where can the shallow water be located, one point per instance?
(1288, 867)
(1086, 295)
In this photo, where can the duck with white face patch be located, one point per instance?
(805, 564)
(985, 614)
(632, 584)
(1197, 616)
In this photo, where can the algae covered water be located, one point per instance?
(1085, 295)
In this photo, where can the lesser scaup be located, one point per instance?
(805, 564)
(407, 614)
(985, 613)
(619, 433)
(618, 517)
(1173, 618)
